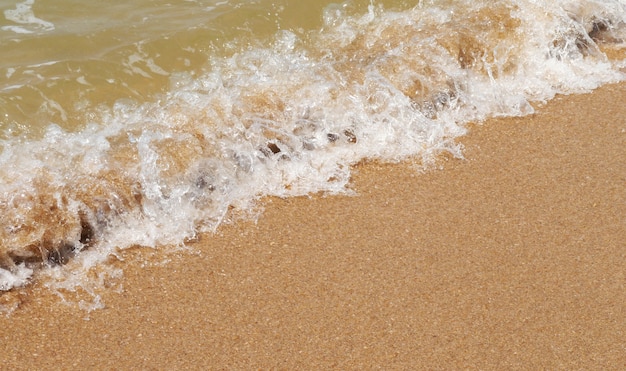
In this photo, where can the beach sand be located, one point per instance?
(512, 258)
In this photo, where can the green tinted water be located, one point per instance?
(63, 59)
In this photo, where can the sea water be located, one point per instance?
(146, 123)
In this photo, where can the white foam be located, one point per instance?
(23, 14)
(16, 29)
(15, 278)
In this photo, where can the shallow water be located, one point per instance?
(146, 124)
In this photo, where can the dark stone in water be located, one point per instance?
(273, 147)
(87, 233)
(205, 181)
(602, 32)
(61, 255)
(350, 135)
(332, 137)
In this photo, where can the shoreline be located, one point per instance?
(511, 258)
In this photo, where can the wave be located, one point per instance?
(289, 119)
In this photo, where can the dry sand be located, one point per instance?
(514, 258)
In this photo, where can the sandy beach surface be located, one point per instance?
(513, 258)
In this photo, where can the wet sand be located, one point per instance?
(514, 258)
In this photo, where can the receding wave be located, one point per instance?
(290, 119)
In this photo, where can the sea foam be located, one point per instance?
(286, 119)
